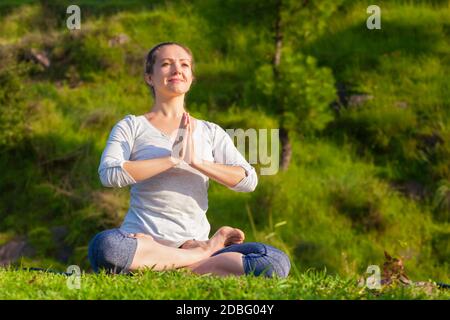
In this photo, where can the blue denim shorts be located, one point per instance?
(261, 259)
(112, 250)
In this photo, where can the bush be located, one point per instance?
(441, 201)
(42, 241)
(12, 106)
(79, 56)
(304, 91)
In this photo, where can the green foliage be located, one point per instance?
(19, 21)
(361, 201)
(306, 20)
(338, 214)
(82, 55)
(383, 129)
(304, 90)
(441, 201)
(41, 238)
(403, 69)
(13, 107)
(441, 247)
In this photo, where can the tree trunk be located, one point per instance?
(286, 149)
(278, 42)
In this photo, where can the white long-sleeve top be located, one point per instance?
(170, 206)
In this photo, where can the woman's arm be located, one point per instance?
(229, 167)
(143, 169)
(227, 175)
(116, 169)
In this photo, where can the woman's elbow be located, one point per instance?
(253, 185)
(107, 182)
(110, 179)
(252, 181)
(248, 184)
(248, 188)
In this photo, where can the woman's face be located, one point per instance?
(172, 73)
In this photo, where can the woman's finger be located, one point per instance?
(182, 122)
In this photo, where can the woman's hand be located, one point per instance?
(180, 146)
(183, 149)
(190, 156)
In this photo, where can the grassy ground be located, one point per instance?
(150, 285)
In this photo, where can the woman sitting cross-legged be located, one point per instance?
(168, 157)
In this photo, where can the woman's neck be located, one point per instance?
(170, 107)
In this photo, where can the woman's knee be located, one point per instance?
(112, 250)
(281, 264)
(261, 259)
(272, 263)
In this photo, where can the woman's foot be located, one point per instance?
(224, 237)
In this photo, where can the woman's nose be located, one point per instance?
(177, 67)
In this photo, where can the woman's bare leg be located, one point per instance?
(151, 254)
(224, 264)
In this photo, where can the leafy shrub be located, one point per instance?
(441, 246)
(81, 55)
(304, 90)
(361, 206)
(441, 201)
(42, 241)
(13, 109)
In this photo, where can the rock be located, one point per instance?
(118, 40)
(19, 247)
(40, 57)
(13, 250)
(412, 189)
(401, 104)
(349, 97)
(357, 100)
(431, 140)
(63, 251)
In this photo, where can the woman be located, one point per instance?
(167, 157)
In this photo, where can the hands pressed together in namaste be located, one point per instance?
(183, 148)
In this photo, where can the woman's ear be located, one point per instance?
(148, 79)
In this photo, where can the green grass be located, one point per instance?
(403, 67)
(174, 285)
